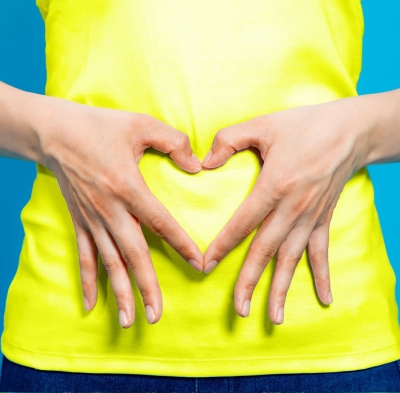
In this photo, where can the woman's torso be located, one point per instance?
(201, 66)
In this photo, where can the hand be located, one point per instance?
(309, 153)
(94, 154)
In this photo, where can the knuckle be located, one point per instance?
(105, 180)
(134, 257)
(88, 284)
(97, 202)
(143, 120)
(244, 285)
(121, 186)
(281, 294)
(317, 255)
(111, 265)
(123, 297)
(86, 262)
(243, 228)
(260, 122)
(185, 249)
(73, 214)
(329, 214)
(158, 225)
(277, 295)
(261, 261)
(78, 223)
(149, 292)
(284, 185)
(115, 183)
(324, 280)
(308, 201)
(246, 228)
(220, 137)
(302, 204)
(267, 251)
(222, 248)
(291, 261)
(181, 141)
(259, 256)
(99, 206)
(267, 192)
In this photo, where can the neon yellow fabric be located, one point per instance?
(201, 66)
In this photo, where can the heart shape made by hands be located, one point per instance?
(202, 202)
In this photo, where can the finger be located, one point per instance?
(288, 256)
(88, 266)
(167, 139)
(87, 251)
(318, 254)
(152, 213)
(263, 247)
(237, 137)
(245, 219)
(117, 271)
(136, 254)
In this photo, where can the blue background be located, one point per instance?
(22, 64)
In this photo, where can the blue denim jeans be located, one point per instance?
(383, 378)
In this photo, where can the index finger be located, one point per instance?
(246, 218)
(152, 213)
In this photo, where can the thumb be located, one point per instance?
(167, 139)
(229, 140)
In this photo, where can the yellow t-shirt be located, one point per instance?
(201, 66)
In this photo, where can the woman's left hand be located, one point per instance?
(308, 155)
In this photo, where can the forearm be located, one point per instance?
(382, 111)
(21, 114)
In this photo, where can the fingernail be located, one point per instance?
(196, 162)
(123, 319)
(207, 158)
(196, 265)
(330, 300)
(280, 315)
(246, 308)
(86, 303)
(210, 266)
(150, 314)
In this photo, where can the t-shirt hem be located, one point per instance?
(192, 367)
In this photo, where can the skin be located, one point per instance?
(294, 196)
(308, 154)
(106, 195)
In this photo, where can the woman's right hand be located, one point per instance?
(94, 153)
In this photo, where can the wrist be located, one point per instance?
(40, 121)
(46, 118)
(20, 134)
(383, 142)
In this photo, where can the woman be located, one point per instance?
(275, 82)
